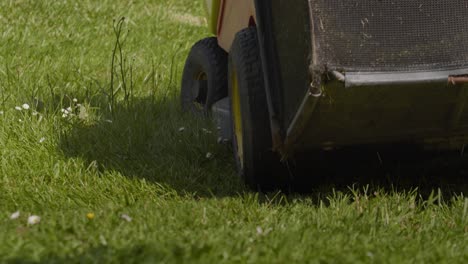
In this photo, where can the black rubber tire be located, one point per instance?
(204, 80)
(259, 166)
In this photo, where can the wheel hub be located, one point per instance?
(200, 90)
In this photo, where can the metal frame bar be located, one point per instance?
(353, 79)
(270, 71)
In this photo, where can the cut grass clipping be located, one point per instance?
(98, 164)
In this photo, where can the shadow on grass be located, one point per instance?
(143, 141)
(398, 168)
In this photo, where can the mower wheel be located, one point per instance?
(204, 79)
(259, 166)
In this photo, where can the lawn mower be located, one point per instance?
(282, 77)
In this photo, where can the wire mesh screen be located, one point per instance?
(390, 35)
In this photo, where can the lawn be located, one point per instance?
(94, 147)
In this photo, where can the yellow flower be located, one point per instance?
(90, 216)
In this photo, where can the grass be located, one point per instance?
(119, 151)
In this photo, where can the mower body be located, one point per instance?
(351, 72)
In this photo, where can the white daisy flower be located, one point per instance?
(34, 219)
(69, 109)
(42, 139)
(126, 217)
(15, 215)
(64, 115)
(206, 131)
(63, 110)
(209, 155)
(103, 240)
(75, 100)
(18, 108)
(25, 106)
(259, 230)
